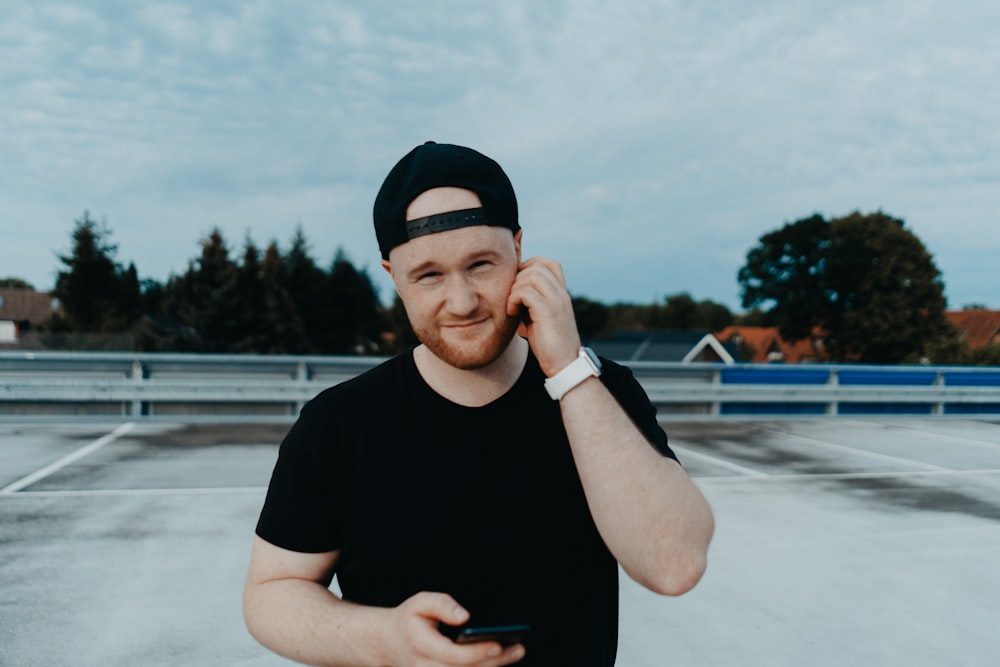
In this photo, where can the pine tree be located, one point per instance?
(285, 332)
(354, 318)
(96, 293)
(306, 287)
(204, 299)
(248, 314)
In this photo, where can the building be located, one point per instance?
(977, 327)
(658, 345)
(763, 345)
(22, 312)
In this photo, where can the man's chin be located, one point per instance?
(472, 355)
(466, 359)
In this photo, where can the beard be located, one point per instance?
(471, 354)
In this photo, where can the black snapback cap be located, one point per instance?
(433, 165)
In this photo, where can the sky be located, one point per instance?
(651, 144)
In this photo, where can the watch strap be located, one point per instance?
(577, 371)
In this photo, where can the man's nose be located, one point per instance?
(462, 297)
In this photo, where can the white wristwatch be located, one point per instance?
(584, 366)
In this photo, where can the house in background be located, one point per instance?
(764, 345)
(978, 327)
(678, 346)
(22, 311)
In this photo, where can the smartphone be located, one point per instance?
(505, 635)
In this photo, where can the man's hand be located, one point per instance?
(417, 642)
(550, 325)
(289, 608)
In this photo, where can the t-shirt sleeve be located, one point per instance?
(300, 510)
(633, 398)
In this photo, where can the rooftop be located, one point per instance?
(838, 542)
(21, 305)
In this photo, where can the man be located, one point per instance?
(447, 487)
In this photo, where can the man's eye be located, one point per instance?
(480, 266)
(429, 277)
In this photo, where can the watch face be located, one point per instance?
(592, 356)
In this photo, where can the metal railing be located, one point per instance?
(200, 386)
(141, 385)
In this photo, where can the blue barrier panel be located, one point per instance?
(774, 375)
(972, 408)
(972, 379)
(848, 408)
(748, 408)
(886, 377)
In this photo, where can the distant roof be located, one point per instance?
(23, 305)
(978, 327)
(663, 345)
(767, 344)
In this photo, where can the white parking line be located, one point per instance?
(179, 491)
(986, 444)
(685, 453)
(900, 474)
(66, 460)
(858, 452)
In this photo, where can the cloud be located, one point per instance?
(651, 143)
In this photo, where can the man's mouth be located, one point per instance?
(466, 324)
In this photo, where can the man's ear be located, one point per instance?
(387, 265)
(517, 244)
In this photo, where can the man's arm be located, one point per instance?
(652, 517)
(288, 607)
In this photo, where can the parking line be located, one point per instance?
(897, 474)
(66, 460)
(686, 453)
(176, 491)
(942, 436)
(858, 452)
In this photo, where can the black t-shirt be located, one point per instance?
(485, 504)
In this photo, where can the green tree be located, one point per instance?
(677, 311)
(248, 315)
(787, 270)
(306, 286)
(713, 316)
(986, 356)
(681, 311)
(398, 325)
(630, 316)
(11, 282)
(285, 331)
(204, 300)
(96, 293)
(152, 292)
(355, 321)
(591, 317)
(863, 286)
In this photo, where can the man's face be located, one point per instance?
(455, 284)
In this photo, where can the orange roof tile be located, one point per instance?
(768, 345)
(978, 327)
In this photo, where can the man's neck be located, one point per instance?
(473, 388)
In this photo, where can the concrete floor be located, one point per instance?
(838, 542)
